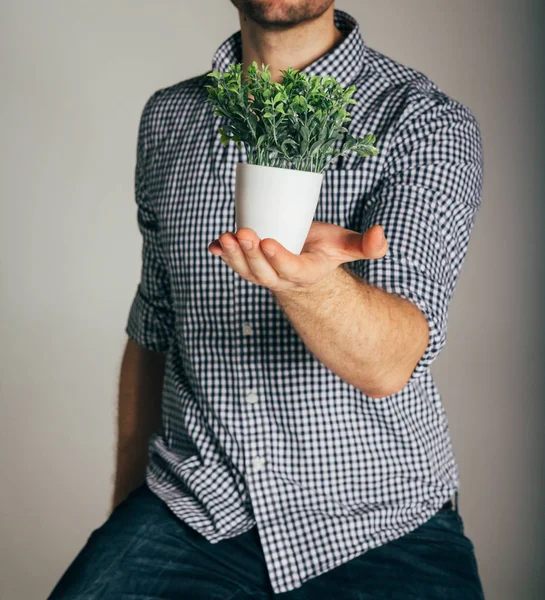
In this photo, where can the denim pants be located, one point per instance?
(145, 552)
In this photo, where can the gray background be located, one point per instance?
(74, 78)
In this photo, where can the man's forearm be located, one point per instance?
(139, 415)
(130, 470)
(369, 338)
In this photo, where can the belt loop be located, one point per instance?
(456, 502)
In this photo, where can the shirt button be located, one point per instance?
(258, 462)
(252, 397)
(246, 329)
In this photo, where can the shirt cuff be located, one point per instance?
(399, 277)
(148, 326)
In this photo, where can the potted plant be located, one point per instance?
(289, 130)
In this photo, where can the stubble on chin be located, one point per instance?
(281, 14)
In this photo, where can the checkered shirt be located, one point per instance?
(256, 431)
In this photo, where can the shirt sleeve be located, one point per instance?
(427, 203)
(150, 321)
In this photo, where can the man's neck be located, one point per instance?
(295, 47)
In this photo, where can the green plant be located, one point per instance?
(289, 124)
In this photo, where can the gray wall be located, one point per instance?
(74, 78)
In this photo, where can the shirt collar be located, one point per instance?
(344, 61)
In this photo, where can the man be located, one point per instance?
(299, 447)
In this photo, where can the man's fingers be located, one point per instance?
(268, 263)
(291, 267)
(374, 244)
(260, 267)
(234, 256)
(347, 245)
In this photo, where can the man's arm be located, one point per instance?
(371, 339)
(150, 326)
(139, 415)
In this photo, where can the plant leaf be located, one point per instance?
(349, 144)
(294, 123)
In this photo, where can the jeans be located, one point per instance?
(145, 552)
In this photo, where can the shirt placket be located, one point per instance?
(244, 329)
(257, 444)
(256, 427)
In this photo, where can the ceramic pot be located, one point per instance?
(277, 203)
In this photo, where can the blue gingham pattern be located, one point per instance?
(255, 430)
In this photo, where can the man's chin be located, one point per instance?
(281, 14)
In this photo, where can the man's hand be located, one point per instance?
(267, 263)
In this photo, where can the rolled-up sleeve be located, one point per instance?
(150, 320)
(427, 203)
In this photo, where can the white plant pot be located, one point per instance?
(277, 203)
